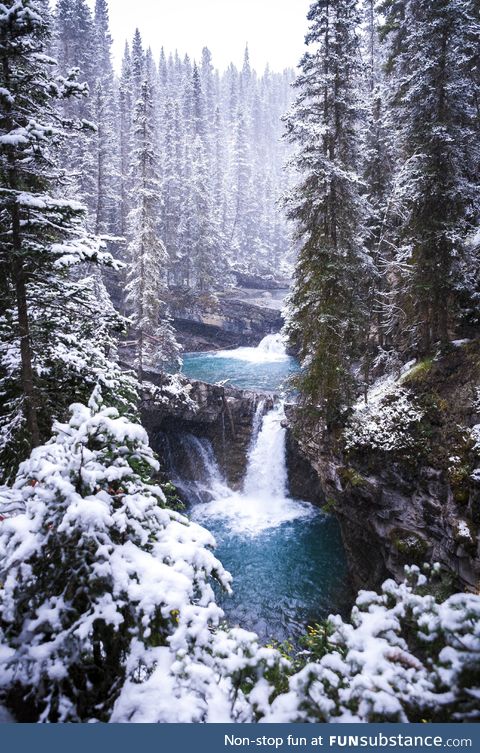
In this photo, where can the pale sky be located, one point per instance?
(274, 29)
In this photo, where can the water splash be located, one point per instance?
(270, 350)
(264, 502)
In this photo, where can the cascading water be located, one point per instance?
(285, 555)
(264, 367)
(270, 350)
(267, 467)
(263, 503)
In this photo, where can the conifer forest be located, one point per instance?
(240, 370)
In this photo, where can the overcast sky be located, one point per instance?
(274, 29)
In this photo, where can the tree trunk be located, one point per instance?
(24, 332)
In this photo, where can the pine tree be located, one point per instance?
(327, 313)
(75, 48)
(42, 235)
(105, 117)
(125, 109)
(243, 233)
(171, 189)
(437, 194)
(98, 575)
(148, 257)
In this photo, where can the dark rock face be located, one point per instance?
(258, 282)
(222, 414)
(303, 480)
(395, 509)
(222, 321)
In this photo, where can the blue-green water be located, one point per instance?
(267, 367)
(284, 578)
(286, 556)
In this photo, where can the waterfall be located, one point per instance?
(270, 350)
(257, 422)
(267, 467)
(264, 502)
(192, 467)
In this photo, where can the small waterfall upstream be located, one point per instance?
(265, 367)
(270, 350)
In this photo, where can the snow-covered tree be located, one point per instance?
(97, 574)
(148, 258)
(436, 195)
(75, 49)
(328, 311)
(105, 116)
(42, 236)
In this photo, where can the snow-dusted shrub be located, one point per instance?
(385, 422)
(107, 594)
(404, 657)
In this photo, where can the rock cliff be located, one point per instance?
(224, 320)
(221, 413)
(415, 498)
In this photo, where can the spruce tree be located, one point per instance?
(437, 195)
(98, 575)
(327, 312)
(43, 236)
(105, 116)
(148, 257)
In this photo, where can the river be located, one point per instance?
(285, 555)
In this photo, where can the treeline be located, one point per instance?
(215, 154)
(386, 126)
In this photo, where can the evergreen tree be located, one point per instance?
(171, 189)
(125, 105)
(75, 49)
(43, 236)
(98, 575)
(327, 312)
(105, 116)
(437, 195)
(148, 258)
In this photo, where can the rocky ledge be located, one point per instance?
(223, 320)
(221, 413)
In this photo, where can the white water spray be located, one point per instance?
(264, 501)
(267, 468)
(270, 350)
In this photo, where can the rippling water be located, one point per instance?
(284, 577)
(266, 367)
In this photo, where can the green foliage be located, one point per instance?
(350, 477)
(328, 320)
(171, 495)
(410, 545)
(329, 505)
(418, 373)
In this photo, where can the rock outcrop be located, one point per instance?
(221, 413)
(224, 320)
(398, 507)
(260, 282)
